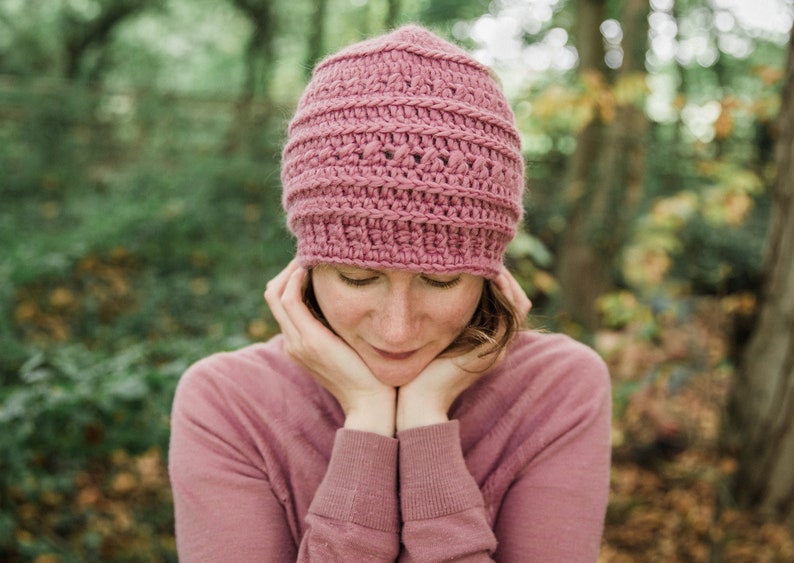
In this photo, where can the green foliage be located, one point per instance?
(69, 410)
(445, 11)
(622, 308)
(134, 244)
(72, 407)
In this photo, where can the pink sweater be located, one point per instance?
(261, 469)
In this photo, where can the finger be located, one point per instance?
(292, 296)
(275, 287)
(303, 334)
(298, 315)
(508, 284)
(517, 292)
(504, 285)
(274, 294)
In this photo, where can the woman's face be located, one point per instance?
(397, 321)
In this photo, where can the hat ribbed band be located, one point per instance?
(381, 243)
(403, 154)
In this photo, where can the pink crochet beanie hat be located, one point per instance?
(403, 154)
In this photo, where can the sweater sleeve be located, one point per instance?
(443, 513)
(354, 515)
(554, 511)
(226, 508)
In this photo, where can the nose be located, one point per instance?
(396, 320)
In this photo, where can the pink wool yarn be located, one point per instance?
(403, 154)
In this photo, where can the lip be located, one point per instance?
(394, 355)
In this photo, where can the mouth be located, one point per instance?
(394, 355)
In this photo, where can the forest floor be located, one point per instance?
(671, 498)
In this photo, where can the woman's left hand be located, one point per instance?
(514, 293)
(427, 399)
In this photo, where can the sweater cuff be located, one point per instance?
(434, 479)
(360, 484)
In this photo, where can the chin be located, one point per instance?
(396, 375)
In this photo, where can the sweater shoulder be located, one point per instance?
(541, 373)
(545, 378)
(556, 360)
(245, 369)
(547, 392)
(260, 376)
(564, 383)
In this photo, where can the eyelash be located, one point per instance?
(441, 284)
(355, 282)
(431, 282)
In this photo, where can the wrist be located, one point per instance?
(413, 412)
(375, 416)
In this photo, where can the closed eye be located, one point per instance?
(441, 284)
(356, 282)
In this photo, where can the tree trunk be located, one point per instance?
(575, 256)
(84, 36)
(259, 63)
(621, 168)
(392, 13)
(606, 174)
(316, 35)
(760, 415)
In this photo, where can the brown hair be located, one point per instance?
(493, 325)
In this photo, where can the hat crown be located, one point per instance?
(409, 39)
(403, 153)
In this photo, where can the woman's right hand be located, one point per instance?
(368, 404)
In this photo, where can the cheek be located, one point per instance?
(467, 311)
(455, 316)
(337, 306)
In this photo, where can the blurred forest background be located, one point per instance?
(140, 220)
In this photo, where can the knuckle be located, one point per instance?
(270, 291)
(291, 349)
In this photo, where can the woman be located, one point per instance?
(401, 414)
